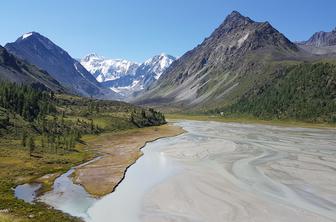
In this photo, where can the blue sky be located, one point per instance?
(139, 29)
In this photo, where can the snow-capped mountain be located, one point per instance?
(46, 55)
(126, 77)
(156, 65)
(108, 69)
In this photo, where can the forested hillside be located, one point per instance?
(303, 92)
(58, 121)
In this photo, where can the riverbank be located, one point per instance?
(19, 168)
(249, 120)
(118, 152)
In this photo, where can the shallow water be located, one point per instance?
(27, 192)
(222, 172)
(152, 168)
(69, 197)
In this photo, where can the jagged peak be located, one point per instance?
(92, 55)
(34, 35)
(236, 17)
(28, 35)
(235, 13)
(31, 34)
(159, 57)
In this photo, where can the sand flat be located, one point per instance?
(118, 151)
(237, 172)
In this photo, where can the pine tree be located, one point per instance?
(42, 142)
(24, 139)
(31, 145)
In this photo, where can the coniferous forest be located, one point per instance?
(45, 122)
(305, 92)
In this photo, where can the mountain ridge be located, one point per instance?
(42, 52)
(220, 68)
(320, 43)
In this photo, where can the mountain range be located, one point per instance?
(126, 77)
(43, 53)
(241, 66)
(239, 58)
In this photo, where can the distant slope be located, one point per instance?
(322, 39)
(40, 51)
(15, 70)
(320, 43)
(302, 92)
(239, 55)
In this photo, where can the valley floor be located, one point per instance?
(119, 150)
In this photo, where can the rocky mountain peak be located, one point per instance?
(28, 35)
(198, 76)
(322, 38)
(235, 16)
(239, 34)
(92, 55)
(33, 36)
(233, 21)
(157, 64)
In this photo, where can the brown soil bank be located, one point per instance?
(119, 151)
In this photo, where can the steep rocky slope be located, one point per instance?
(239, 55)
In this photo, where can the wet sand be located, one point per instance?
(118, 151)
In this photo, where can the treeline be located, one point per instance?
(25, 100)
(303, 92)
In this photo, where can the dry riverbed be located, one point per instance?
(118, 151)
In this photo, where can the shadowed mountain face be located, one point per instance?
(320, 43)
(235, 58)
(40, 51)
(15, 70)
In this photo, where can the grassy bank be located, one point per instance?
(249, 120)
(19, 167)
